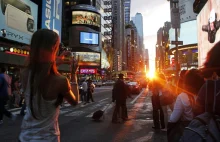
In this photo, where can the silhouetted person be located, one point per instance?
(120, 93)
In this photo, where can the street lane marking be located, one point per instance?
(75, 113)
(103, 99)
(132, 102)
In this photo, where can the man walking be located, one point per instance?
(4, 96)
(119, 94)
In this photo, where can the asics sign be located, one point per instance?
(52, 15)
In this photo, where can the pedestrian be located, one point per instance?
(210, 71)
(44, 89)
(84, 91)
(120, 93)
(183, 109)
(16, 92)
(90, 90)
(4, 96)
(158, 113)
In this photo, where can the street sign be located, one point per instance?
(177, 42)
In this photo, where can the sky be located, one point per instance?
(155, 13)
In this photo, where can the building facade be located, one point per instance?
(127, 4)
(118, 33)
(105, 9)
(138, 21)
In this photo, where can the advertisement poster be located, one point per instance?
(86, 18)
(52, 15)
(88, 58)
(87, 71)
(18, 20)
(186, 10)
(208, 22)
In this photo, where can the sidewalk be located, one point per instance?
(143, 121)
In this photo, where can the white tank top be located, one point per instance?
(46, 127)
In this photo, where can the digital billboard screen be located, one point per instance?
(86, 18)
(208, 28)
(52, 15)
(88, 58)
(89, 38)
(18, 20)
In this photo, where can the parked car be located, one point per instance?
(109, 82)
(97, 83)
(134, 87)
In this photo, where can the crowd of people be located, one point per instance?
(188, 98)
(43, 97)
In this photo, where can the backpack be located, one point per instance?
(206, 126)
(97, 115)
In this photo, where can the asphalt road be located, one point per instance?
(76, 124)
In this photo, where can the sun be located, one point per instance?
(151, 74)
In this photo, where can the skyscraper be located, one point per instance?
(118, 32)
(127, 4)
(138, 21)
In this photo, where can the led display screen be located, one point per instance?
(89, 38)
(86, 18)
(88, 58)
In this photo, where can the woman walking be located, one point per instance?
(44, 89)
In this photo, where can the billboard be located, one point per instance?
(52, 15)
(18, 20)
(87, 71)
(188, 33)
(88, 58)
(89, 38)
(86, 18)
(186, 10)
(208, 22)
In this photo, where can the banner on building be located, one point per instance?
(18, 20)
(208, 28)
(52, 15)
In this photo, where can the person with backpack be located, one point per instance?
(206, 124)
(4, 96)
(183, 109)
(211, 67)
